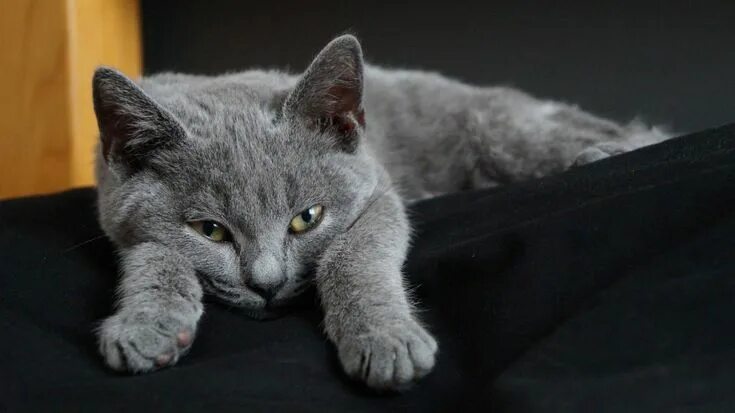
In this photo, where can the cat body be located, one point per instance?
(253, 186)
(436, 135)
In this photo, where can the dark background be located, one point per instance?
(669, 62)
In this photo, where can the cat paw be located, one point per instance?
(389, 357)
(598, 152)
(145, 340)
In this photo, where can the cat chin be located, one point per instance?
(250, 309)
(263, 313)
(258, 313)
(250, 303)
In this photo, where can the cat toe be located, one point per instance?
(389, 359)
(140, 342)
(184, 338)
(163, 360)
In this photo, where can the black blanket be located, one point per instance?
(608, 288)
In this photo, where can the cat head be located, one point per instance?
(249, 190)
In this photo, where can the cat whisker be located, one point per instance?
(83, 243)
(229, 294)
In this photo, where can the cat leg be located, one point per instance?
(535, 139)
(160, 303)
(367, 313)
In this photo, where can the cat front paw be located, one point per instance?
(389, 357)
(142, 340)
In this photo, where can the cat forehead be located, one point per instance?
(235, 134)
(213, 112)
(251, 180)
(237, 125)
(245, 147)
(200, 98)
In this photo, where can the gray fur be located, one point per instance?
(252, 150)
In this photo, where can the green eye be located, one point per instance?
(306, 220)
(212, 230)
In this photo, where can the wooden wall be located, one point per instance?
(48, 52)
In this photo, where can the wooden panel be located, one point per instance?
(103, 32)
(48, 52)
(34, 105)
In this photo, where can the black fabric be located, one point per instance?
(607, 288)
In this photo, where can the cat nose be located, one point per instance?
(266, 277)
(267, 291)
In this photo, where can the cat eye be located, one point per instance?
(212, 230)
(306, 220)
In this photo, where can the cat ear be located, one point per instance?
(131, 124)
(329, 94)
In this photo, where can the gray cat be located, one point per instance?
(242, 185)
